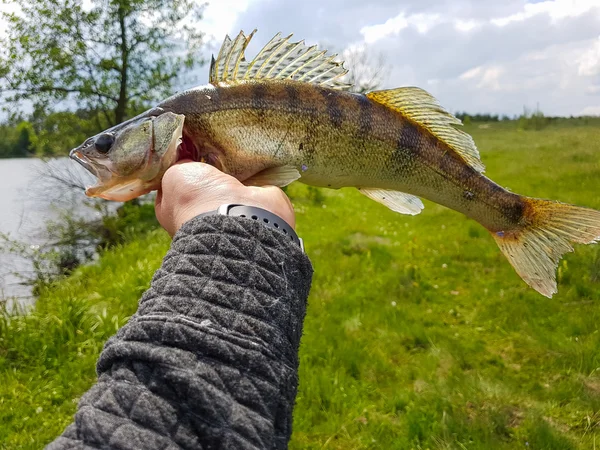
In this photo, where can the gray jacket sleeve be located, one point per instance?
(210, 359)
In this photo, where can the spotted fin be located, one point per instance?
(422, 108)
(395, 200)
(279, 59)
(548, 230)
(274, 176)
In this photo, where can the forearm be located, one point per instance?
(210, 358)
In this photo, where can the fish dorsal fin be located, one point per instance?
(395, 200)
(280, 59)
(422, 108)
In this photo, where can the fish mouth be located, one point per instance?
(77, 156)
(100, 172)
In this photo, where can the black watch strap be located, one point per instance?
(260, 215)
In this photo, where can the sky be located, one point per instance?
(485, 56)
(479, 56)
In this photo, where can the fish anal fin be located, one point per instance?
(274, 176)
(395, 200)
(279, 59)
(422, 108)
(551, 230)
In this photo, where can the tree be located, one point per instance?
(18, 140)
(25, 137)
(111, 57)
(366, 70)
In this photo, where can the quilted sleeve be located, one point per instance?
(210, 358)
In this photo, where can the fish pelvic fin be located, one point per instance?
(275, 176)
(395, 200)
(550, 229)
(279, 59)
(420, 107)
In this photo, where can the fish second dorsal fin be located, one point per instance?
(422, 108)
(280, 59)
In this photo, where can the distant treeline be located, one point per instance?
(466, 117)
(527, 114)
(49, 135)
(528, 120)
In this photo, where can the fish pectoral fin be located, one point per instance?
(422, 108)
(279, 59)
(274, 176)
(395, 200)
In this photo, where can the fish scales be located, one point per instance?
(285, 116)
(347, 140)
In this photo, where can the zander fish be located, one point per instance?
(285, 116)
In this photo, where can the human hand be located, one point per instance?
(192, 188)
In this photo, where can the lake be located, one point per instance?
(29, 198)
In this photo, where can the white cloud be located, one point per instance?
(590, 111)
(220, 16)
(589, 61)
(593, 89)
(556, 9)
(471, 73)
(491, 79)
(393, 26)
(466, 25)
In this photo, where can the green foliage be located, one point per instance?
(132, 219)
(418, 332)
(468, 118)
(112, 57)
(73, 241)
(532, 120)
(59, 132)
(17, 141)
(47, 357)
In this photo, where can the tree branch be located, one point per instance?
(63, 89)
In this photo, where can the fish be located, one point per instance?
(287, 115)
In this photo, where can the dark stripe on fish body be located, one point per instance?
(293, 98)
(336, 115)
(496, 189)
(515, 209)
(259, 102)
(447, 163)
(456, 167)
(409, 139)
(407, 146)
(513, 206)
(365, 115)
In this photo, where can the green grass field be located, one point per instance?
(419, 335)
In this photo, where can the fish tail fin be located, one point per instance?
(548, 230)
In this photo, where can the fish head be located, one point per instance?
(130, 159)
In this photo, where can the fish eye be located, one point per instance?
(104, 142)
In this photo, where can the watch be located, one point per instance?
(267, 218)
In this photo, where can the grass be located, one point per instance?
(419, 335)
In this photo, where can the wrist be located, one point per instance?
(257, 214)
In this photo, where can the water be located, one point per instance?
(28, 199)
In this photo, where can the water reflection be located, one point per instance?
(30, 195)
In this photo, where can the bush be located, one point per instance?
(532, 120)
(73, 241)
